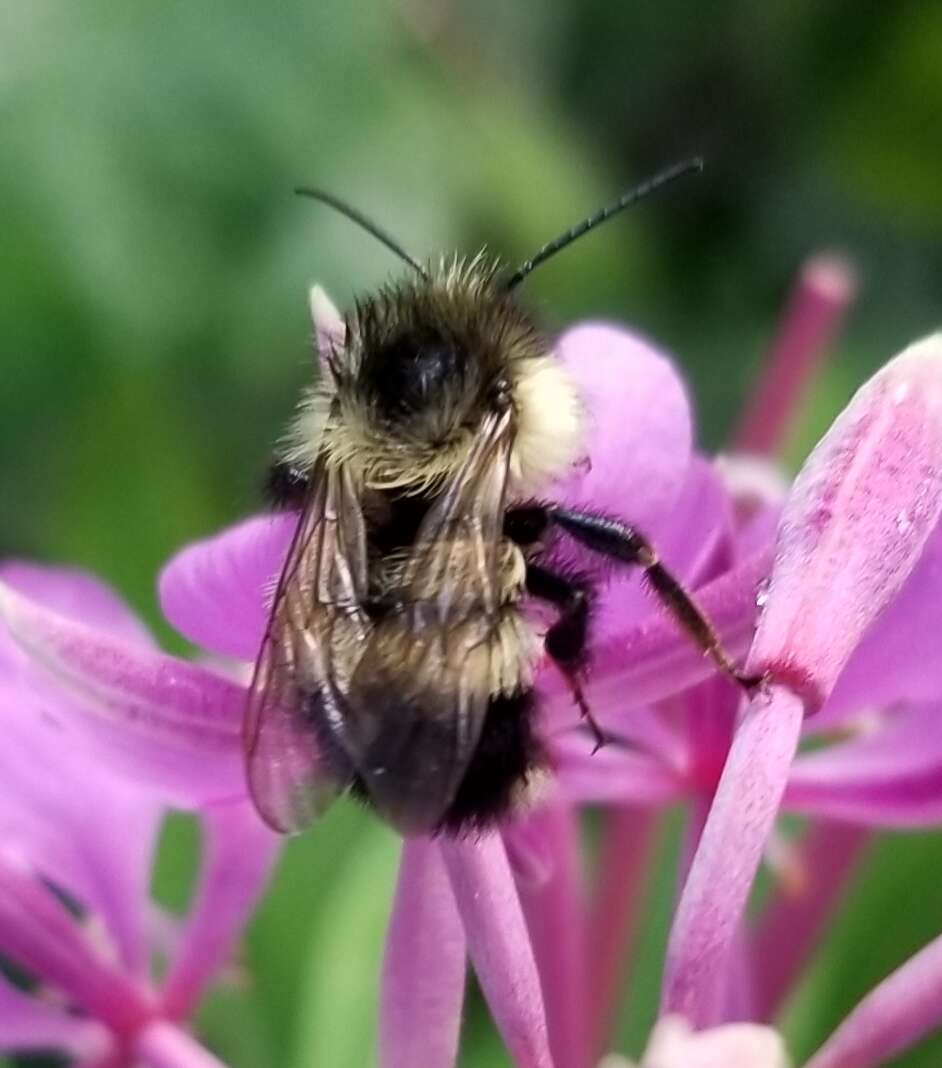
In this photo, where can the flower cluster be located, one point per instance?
(830, 589)
(81, 807)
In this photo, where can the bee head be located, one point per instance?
(425, 364)
(422, 363)
(419, 373)
(430, 359)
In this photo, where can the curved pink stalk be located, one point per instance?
(237, 858)
(162, 1045)
(424, 966)
(904, 1008)
(714, 896)
(624, 855)
(499, 945)
(822, 294)
(37, 932)
(28, 1024)
(555, 911)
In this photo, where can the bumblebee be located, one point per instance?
(399, 658)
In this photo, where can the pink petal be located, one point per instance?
(529, 853)
(898, 657)
(101, 850)
(904, 1008)
(653, 732)
(30, 1024)
(171, 723)
(890, 777)
(555, 911)
(499, 944)
(709, 716)
(162, 1045)
(856, 523)
(237, 858)
(38, 934)
(612, 775)
(78, 595)
(640, 429)
(424, 966)
(693, 537)
(755, 483)
(216, 591)
(120, 874)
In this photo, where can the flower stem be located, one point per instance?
(624, 858)
(423, 975)
(730, 850)
(238, 854)
(898, 1012)
(825, 288)
(555, 912)
(162, 1045)
(499, 944)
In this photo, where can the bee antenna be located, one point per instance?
(364, 223)
(631, 196)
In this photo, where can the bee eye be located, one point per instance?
(410, 373)
(501, 393)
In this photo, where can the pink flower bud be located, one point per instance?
(855, 524)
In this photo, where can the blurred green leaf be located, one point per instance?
(336, 1015)
(282, 935)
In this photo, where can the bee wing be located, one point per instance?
(420, 693)
(315, 631)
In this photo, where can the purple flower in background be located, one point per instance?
(77, 841)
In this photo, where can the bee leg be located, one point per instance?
(566, 640)
(285, 486)
(525, 524)
(619, 542)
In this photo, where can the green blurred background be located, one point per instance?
(153, 270)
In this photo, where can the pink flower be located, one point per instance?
(176, 726)
(77, 840)
(854, 584)
(852, 533)
(214, 593)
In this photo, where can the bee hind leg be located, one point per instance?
(566, 640)
(623, 544)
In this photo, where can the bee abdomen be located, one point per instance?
(508, 753)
